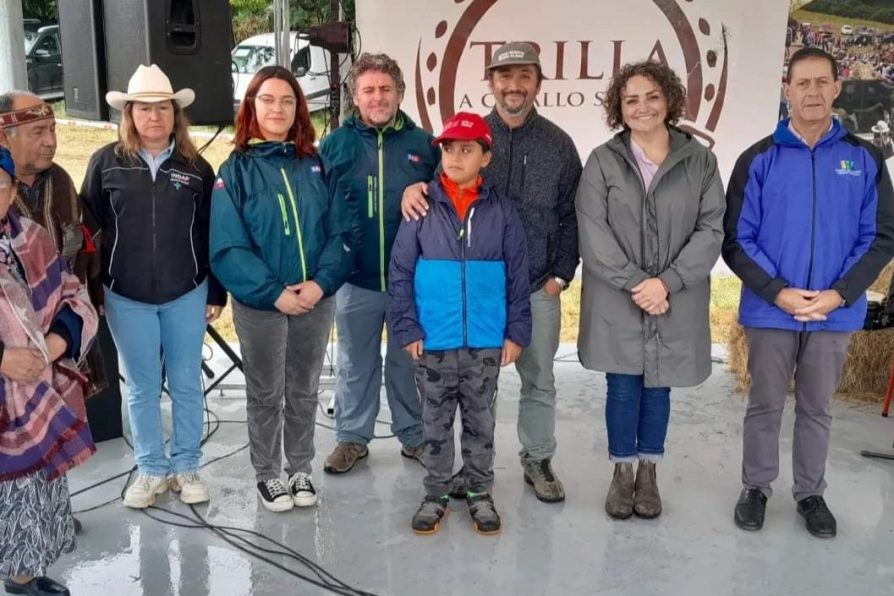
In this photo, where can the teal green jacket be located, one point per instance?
(277, 220)
(375, 166)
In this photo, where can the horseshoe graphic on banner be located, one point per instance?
(704, 48)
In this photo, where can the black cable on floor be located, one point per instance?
(228, 534)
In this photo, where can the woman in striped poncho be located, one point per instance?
(46, 326)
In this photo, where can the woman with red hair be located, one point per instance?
(281, 245)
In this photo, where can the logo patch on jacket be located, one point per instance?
(846, 168)
(316, 169)
(179, 179)
(219, 184)
(413, 158)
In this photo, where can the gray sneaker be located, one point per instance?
(485, 518)
(547, 487)
(344, 457)
(427, 519)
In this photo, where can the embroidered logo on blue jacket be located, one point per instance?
(413, 158)
(846, 168)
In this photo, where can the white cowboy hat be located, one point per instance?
(881, 127)
(150, 85)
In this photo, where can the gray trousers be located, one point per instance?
(282, 356)
(817, 360)
(467, 378)
(359, 317)
(537, 401)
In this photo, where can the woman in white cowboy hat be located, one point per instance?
(151, 194)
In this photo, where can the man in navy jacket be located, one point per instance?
(809, 226)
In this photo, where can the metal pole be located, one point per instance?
(13, 74)
(334, 72)
(287, 35)
(277, 29)
(283, 33)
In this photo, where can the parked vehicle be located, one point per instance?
(847, 30)
(31, 27)
(310, 64)
(43, 61)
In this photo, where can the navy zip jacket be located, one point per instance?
(461, 284)
(375, 166)
(815, 219)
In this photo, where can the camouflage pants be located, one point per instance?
(467, 378)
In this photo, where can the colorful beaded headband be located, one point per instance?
(26, 115)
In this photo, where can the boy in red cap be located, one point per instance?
(460, 305)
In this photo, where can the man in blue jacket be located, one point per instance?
(377, 152)
(809, 226)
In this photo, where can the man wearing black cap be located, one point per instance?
(536, 164)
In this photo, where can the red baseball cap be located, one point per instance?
(465, 126)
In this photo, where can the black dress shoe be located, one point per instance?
(750, 509)
(77, 524)
(820, 521)
(39, 586)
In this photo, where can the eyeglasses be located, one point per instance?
(268, 101)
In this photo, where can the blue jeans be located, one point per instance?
(636, 418)
(359, 318)
(142, 333)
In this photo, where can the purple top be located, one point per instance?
(647, 168)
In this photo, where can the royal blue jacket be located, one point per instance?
(815, 219)
(461, 284)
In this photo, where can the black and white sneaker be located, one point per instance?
(275, 496)
(302, 489)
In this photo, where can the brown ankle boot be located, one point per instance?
(646, 500)
(619, 501)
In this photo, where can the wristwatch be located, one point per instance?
(562, 283)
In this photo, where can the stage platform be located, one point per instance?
(360, 530)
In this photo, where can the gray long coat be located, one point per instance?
(674, 232)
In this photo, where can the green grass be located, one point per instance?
(816, 19)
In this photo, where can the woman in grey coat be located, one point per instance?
(650, 217)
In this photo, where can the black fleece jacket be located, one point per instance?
(537, 165)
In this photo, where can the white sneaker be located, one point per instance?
(274, 496)
(142, 492)
(302, 490)
(192, 488)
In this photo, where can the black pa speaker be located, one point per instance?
(190, 40)
(83, 59)
(104, 409)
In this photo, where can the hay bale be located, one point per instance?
(868, 362)
(737, 356)
(883, 283)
